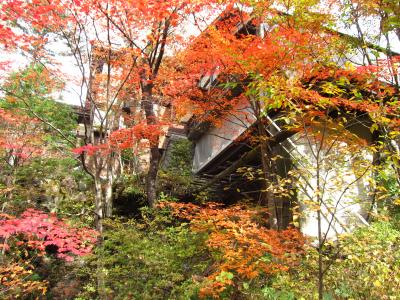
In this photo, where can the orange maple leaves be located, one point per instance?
(138, 136)
(243, 248)
(16, 281)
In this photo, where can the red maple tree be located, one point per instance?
(37, 230)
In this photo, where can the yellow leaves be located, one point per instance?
(296, 218)
(349, 66)
(377, 283)
(374, 127)
(331, 89)
(397, 202)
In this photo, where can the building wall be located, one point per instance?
(340, 181)
(344, 171)
(221, 136)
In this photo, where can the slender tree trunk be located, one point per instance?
(100, 275)
(151, 187)
(151, 119)
(99, 215)
(99, 204)
(108, 198)
(321, 240)
(108, 185)
(320, 262)
(376, 161)
(267, 196)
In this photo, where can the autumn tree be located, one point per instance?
(243, 247)
(20, 141)
(29, 237)
(120, 49)
(149, 30)
(256, 74)
(375, 25)
(279, 73)
(34, 128)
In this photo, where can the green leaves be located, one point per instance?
(224, 277)
(30, 92)
(274, 294)
(364, 265)
(152, 259)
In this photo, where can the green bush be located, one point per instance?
(175, 177)
(367, 267)
(154, 259)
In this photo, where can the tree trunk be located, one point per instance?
(321, 239)
(99, 204)
(108, 185)
(151, 119)
(108, 198)
(151, 187)
(266, 196)
(320, 262)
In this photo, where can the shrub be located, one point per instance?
(154, 259)
(366, 267)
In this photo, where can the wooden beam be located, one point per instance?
(246, 157)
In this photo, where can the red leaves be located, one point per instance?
(90, 149)
(7, 36)
(43, 230)
(126, 138)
